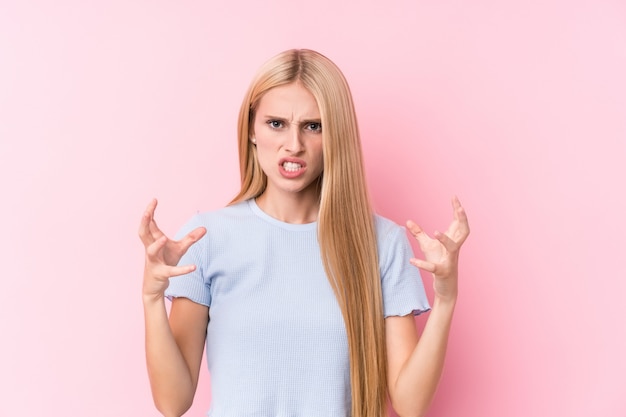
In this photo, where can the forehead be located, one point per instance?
(289, 101)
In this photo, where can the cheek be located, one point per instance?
(265, 152)
(320, 151)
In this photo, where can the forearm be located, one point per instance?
(171, 382)
(417, 381)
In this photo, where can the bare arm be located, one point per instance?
(415, 367)
(173, 347)
(174, 352)
(415, 363)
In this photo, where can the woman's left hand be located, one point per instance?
(441, 253)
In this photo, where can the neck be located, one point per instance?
(295, 208)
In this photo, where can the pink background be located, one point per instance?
(519, 107)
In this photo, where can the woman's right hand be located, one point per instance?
(163, 253)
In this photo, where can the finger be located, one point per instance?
(456, 203)
(447, 242)
(418, 233)
(191, 238)
(154, 248)
(424, 265)
(174, 271)
(153, 232)
(154, 229)
(144, 225)
(460, 215)
(161, 272)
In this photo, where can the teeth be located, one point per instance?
(291, 166)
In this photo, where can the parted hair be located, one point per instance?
(346, 232)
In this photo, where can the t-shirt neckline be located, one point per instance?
(288, 226)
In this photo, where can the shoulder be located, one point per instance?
(235, 212)
(387, 229)
(392, 242)
(221, 219)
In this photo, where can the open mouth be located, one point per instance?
(292, 166)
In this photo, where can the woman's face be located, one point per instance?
(288, 137)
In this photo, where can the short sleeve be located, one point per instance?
(196, 285)
(402, 286)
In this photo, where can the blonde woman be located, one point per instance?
(303, 296)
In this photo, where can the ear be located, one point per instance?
(253, 140)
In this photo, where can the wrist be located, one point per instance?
(153, 289)
(152, 298)
(448, 302)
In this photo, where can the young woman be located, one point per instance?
(311, 296)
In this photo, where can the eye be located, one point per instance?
(275, 124)
(314, 127)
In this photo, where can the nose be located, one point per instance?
(294, 140)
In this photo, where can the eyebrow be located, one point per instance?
(313, 120)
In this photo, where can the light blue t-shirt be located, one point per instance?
(276, 341)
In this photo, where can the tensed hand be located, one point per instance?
(441, 253)
(162, 253)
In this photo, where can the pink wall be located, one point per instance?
(517, 106)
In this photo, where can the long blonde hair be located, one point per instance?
(346, 230)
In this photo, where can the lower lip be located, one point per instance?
(291, 174)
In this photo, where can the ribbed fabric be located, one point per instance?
(276, 341)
